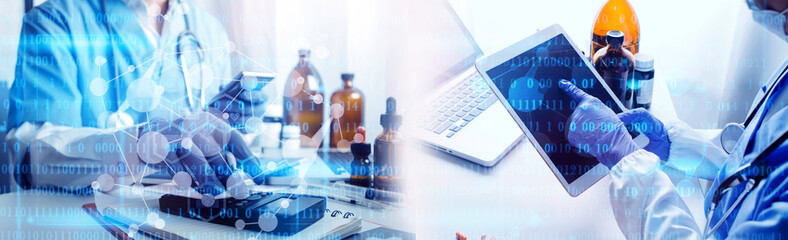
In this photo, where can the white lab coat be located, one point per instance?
(644, 200)
(72, 158)
(646, 205)
(59, 110)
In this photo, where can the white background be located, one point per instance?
(699, 46)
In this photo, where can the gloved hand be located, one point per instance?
(653, 128)
(240, 104)
(202, 148)
(596, 126)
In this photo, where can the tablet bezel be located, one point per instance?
(490, 61)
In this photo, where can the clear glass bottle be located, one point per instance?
(388, 149)
(616, 65)
(616, 15)
(351, 115)
(303, 99)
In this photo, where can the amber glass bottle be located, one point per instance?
(350, 114)
(388, 150)
(361, 166)
(616, 65)
(616, 15)
(303, 99)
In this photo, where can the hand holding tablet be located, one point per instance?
(525, 77)
(604, 128)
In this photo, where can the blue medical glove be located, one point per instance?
(653, 128)
(240, 104)
(595, 127)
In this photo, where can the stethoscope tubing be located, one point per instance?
(743, 174)
(181, 60)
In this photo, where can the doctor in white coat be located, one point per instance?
(747, 162)
(101, 87)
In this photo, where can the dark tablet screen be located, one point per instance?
(529, 83)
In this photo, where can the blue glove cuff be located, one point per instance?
(620, 144)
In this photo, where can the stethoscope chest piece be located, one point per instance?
(730, 136)
(115, 120)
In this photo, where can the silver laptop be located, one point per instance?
(463, 117)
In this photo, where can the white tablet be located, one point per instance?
(525, 78)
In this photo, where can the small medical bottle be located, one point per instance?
(643, 80)
(361, 166)
(388, 149)
(302, 103)
(347, 113)
(291, 141)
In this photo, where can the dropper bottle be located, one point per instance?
(388, 147)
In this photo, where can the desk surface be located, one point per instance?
(519, 198)
(41, 214)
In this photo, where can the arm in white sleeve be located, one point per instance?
(52, 155)
(645, 202)
(695, 151)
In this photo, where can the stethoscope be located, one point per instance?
(733, 131)
(750, 174)
(121, 119)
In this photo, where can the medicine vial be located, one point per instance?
(388, 149)
(347, 113)
(291, 141)
(303, 99)
(643, 80)
(361, 166)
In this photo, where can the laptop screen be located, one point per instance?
(529, 83)
(442, 40)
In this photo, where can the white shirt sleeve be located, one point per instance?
(69, 157)
(645, 202)
(695, 151)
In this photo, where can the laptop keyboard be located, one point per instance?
(455, 108)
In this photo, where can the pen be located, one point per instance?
(369, 204)
(331, 193)
(147, 230)
(368, 193)
(93, 212)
